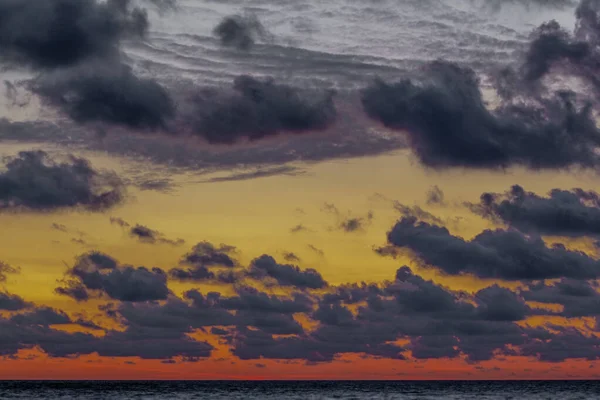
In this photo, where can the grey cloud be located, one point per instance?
(286, 275)
(448, 125)
(239, 31)
(58, 33)
(34, 181)
(290, 257)
(316, 250)
(5, 269)
(299, 228)
(11, 302)
(43, 316)
(498, 254)
(119, 221)
(256, 109)
(109, 93)
(98, 274)
(437, 321)
(578, 298)
(562, 212)
(259, 173)
(207, 254)
(435, 196)
(147, 235)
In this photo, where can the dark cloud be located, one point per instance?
(259, 173)
(43, 316)
(334, 314)
(59, 227)
(448, 124)
(34, 181)
(554, 49)
(147, 235)
(500, 304)
(162, 185)
(290, 257)
(563, 212)
(108, 93)
(439, 323)
(200, 261)
(363, 319)
(435, 196)
(77, 45)
(330, 208)
(58, 33)
(208, 263)
(578, 298)
(256, 109)
(32, 329)
(144, 234)
(240, 32)
(98, 274)
(195, 274)
(569, 343)
(498, 254)
(416, 212)
(252, 308)
(207, 254)
(265, 267)
(251, 299)
(299, 228)
(316, 250)
(352, 225)
(5, 269)
(348, 223)
(73, 289)
(550, 44)
(11, 302)
(119, 221)
(355, 224)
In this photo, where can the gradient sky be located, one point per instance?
(156, 229)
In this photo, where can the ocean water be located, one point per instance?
(458, 390)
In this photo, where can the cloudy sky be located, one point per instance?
(380, 189)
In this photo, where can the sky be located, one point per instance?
(261, 190)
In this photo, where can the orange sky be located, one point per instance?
(256, 216)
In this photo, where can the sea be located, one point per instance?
(302, 390)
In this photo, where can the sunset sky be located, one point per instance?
(244, 190)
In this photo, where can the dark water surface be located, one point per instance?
(481, 390)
